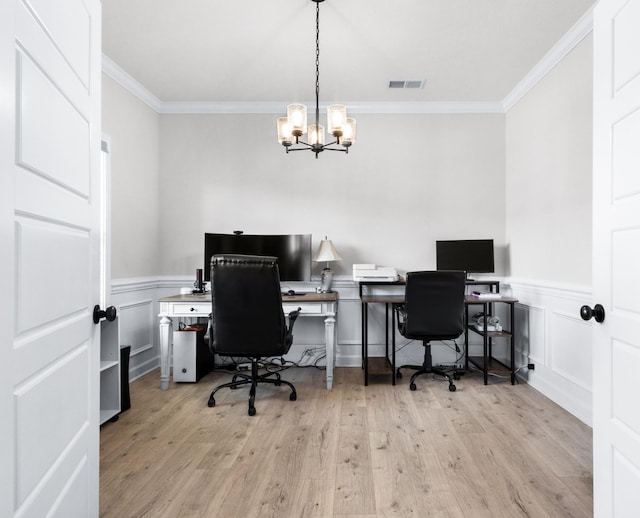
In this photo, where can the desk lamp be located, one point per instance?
(327, 252)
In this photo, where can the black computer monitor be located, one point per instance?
(469, 255)
(292, 250)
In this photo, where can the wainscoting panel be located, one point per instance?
(571, 355)
(530, 334)
(559, 344)
(549, 334)
(137, 304)
(139, 338)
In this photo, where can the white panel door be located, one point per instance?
(616, 279)
(50, 89)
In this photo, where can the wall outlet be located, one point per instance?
(531, 366)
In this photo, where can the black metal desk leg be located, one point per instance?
(466, 336)
(485, 345)
(365, 344)
(393, 346)
(362, 317)
(513, 345)
(386, 331)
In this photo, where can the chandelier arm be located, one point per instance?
(345, 150)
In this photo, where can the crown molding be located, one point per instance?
(580, 30)
(573, 37)
(120, 76)
(354, 107)
(425, 107)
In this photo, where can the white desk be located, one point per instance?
(319, 305)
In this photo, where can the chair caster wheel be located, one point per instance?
(211, 403)
(293, 396)
(452, 388)
(412, 386)
(252, 410)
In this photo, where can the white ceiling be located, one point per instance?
(264, 51)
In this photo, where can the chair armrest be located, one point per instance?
(293, 315)
(401, 314)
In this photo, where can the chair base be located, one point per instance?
(428, 368)
(253, 379)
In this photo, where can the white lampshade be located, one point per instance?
(297, 116)
(285, 137)
(336, 119)
(349, 133)
(327, 252)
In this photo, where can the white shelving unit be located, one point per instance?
(109, 370)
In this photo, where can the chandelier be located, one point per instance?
(294, 125)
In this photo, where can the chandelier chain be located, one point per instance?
(317, 65)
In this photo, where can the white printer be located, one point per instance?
(371, 272)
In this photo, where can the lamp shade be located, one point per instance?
(349, 133)
(297, 117)
(336, 119)
(316, 135)
(285, 137)
(327, 252)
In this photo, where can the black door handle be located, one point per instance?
(109, 314)
(597, 312)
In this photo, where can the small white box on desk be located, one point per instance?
(371, 272)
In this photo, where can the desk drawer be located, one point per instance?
(308, 309)
(185, 309)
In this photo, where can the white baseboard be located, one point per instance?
(549, 334)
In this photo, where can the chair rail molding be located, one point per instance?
(550, 333)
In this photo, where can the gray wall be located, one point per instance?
(134, 131)
(522, 179)
(409, 180)
(548, 175)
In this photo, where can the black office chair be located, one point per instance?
(247, 318)
(433, 310)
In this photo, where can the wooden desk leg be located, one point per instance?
(330, 341)
(166, 334)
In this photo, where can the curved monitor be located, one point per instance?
(292, 250)
(469, 255)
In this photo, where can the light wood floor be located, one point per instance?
(356, 451)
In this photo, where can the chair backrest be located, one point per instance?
(434, 305)
(247, 315)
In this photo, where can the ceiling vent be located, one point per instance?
(407, 84)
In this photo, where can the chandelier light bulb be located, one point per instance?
(316, 135)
